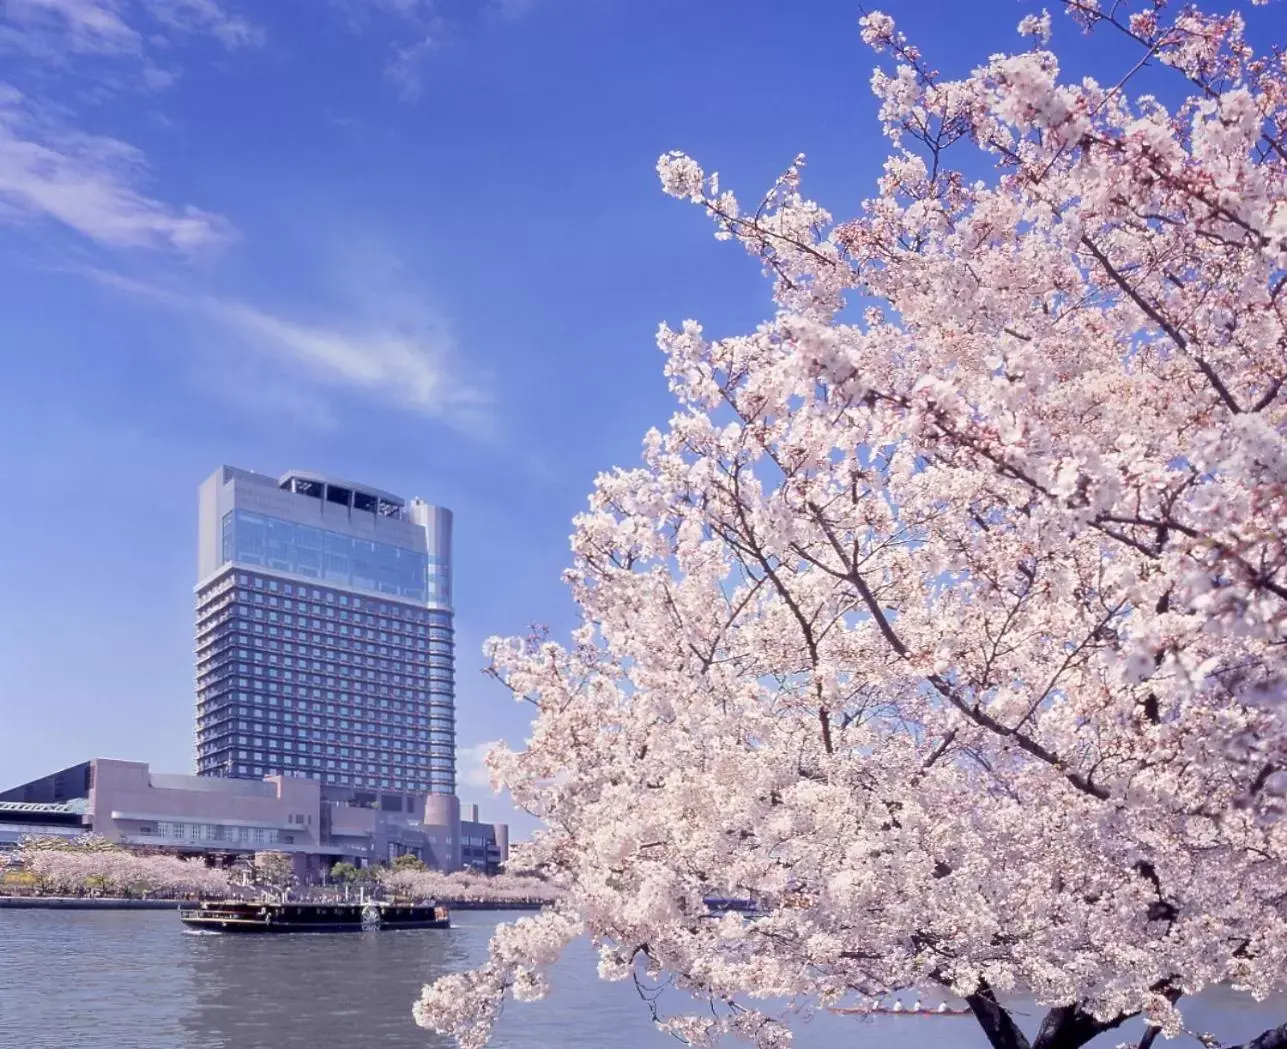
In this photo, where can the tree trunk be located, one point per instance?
(1275, 1038)
(1068, 1027)
(997, 1024)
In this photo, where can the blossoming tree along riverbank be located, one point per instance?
(94, 865)
(467, 887)
(953, 634)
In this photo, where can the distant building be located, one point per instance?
(324, 636)
(318, 824)
(481, 843)
(51, 807)
(325, 661)
(40, 819)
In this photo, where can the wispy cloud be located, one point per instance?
(89, 183)
(470, 768)
(206, 16)
(418, 29)
(50, 28)
(378, 351)
(423, 28)
(404, 67)
(405, 369)
(79, 26)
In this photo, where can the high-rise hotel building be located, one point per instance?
(324, 644)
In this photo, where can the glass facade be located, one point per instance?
(312, 681)
(211, 832)
(333, 557)
(325, 655)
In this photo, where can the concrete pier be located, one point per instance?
(86, 903)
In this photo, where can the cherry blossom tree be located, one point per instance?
(467, 886)
(946, 617)
(93, 864)
(273, 872)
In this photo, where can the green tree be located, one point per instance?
(408, 862)
(344, 873)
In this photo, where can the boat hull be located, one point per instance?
(243, 917)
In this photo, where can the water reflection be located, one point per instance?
(105, 979)
(306, 991)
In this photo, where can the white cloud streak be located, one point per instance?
(406, 370)
(89, 183)
(412, 366)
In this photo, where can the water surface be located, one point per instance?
(138, 980)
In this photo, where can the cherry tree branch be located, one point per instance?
(1156, 317)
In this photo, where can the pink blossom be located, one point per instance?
(1036, 26)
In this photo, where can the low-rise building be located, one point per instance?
(318, 824)
(41, 819)
(483, 846)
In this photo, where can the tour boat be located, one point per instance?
(262, 916)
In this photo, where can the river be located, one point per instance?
(138, 980)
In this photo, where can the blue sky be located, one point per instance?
(418, 243)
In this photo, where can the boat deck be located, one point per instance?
(241, 916)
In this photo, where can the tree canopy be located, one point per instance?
(946, 616)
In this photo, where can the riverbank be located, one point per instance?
(491, 905)
(109, 903)
(85, 903)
